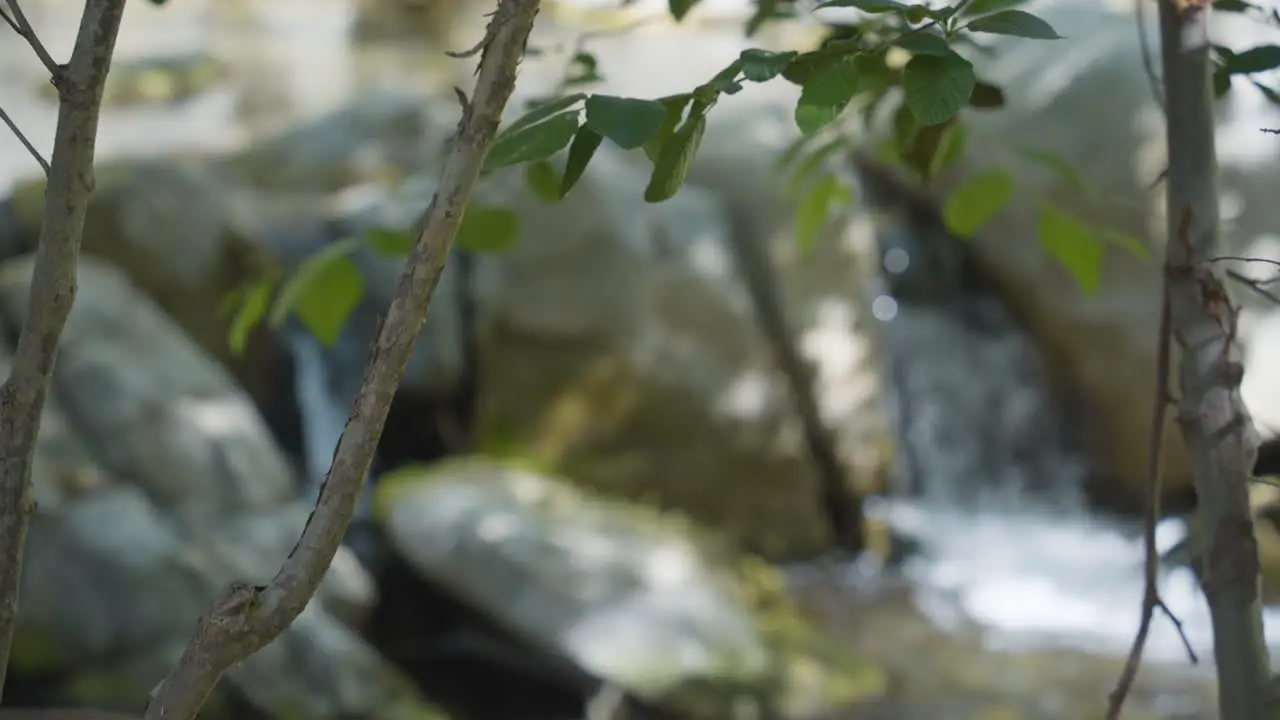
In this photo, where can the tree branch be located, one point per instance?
(1214, 423)
(19, 23)
(44, 164)
(247, 618)
(53, 289)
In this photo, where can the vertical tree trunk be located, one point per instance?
(1212, 417)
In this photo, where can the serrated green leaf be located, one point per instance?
(322, 292)
(867, 6)
(808, 65)
(543, 180)
(251, 309)
(680, 8)
(1074, 245)
(1016, 23)
(581, 151)
(936, 88)
(535, 142)
(986, 7)
(826, 96)
(923, 43)
(675, 106)
(975, 201)
(386, 241)
(627, 122)
(488, 229)
(814, 209)
(1254, 60)
(1055, 163)
(763, 65)
(675, 159)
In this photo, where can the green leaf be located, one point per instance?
(811, 161)
(675, 106)
(936, 88)
(1254, 60)
(675, 159)
(1221, 82)
(826, 96)
(680, 8)
(1271, 95)
(322, 292)
(814, 208)
(627, 122)
(763, 65)
(539, 112)
(986, 7)
(543, 180)
(535, 142)
(1129, 243)
(252, 308)
(488, 229)
(924, 43)
(867, 6)
(975, 201)
(385, 241)
(1058, 165)
(1016, 23)
(581, 151)
(1074, 245)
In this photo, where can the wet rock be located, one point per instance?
(631, 597)
(157, 486)
(182, 235)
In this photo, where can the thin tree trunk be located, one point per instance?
(1214, 423)
(53, 286)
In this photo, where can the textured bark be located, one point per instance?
(1214, 422)
(53, 286)
(247, 618)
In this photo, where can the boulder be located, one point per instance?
(157, 486)
(631, 597)
(1102, 346)
(185, 237)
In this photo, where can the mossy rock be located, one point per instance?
(547, 560)
(576, 407)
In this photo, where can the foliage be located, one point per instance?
(906, 55)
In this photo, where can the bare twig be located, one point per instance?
(1148, 59)
(9, 21)
(44, 165)
(1151, 563)
(19, 23)
(247, 617)
(53, 289)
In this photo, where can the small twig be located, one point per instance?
(44, 164)
(1151, 515)
(1256, 285)
(19, 23)
(9, 21)
(247, 618)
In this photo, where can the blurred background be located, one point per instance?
(596, 482)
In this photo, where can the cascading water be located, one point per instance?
(990, 478)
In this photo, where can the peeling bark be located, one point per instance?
(1212, 416)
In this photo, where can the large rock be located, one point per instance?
(158, 485)
(631, 597)
(1103, 346)
(185, 237)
